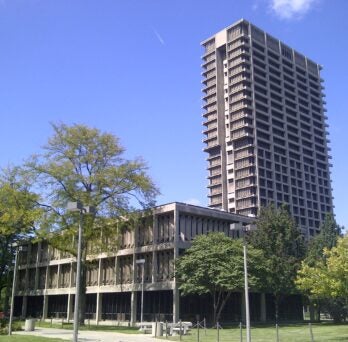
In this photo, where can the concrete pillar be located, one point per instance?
(98, 313)
(58, 275)
(26, 278)
(154, 266)
(117, 270)
(38, 258)
(24, 306)
(154, 255)
(263, 313)
(176, 295)
(69, 313)
(133, 308)
(176, 305)
(100, 271)
(45, 307)
(243, 307)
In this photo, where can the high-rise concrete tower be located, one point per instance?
(265, 126)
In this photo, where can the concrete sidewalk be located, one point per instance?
(88, 335)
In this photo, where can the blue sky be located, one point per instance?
(132, 68)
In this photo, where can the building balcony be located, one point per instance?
(211, 145)
(210, 101)
(210, 128)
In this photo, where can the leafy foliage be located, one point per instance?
(214, 265)
(19, 215)
(84, 164)
(329, 233)
(79, 163)
(329, 277)
(279, 238)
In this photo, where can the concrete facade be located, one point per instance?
(46, 276)
(265, 126)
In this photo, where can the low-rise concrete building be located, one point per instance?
(46, 276)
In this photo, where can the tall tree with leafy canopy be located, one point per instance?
(330, 232)
(19, 216)
(80, 163)
(279, 238)
(214, 265)
(328, 278)
(327, 238)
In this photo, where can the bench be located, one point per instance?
(175, 329)
(146, 328)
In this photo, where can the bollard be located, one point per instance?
(311, 331)
(166, 329)
(241, 331)
(51, 321)
(205, 327)
(277, 331)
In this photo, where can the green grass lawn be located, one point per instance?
(21, 338)
(289, 333)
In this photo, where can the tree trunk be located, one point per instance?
(222, 305)
(311, 311)
(276, 306)
(214, 308)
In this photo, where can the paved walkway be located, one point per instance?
(88, 335)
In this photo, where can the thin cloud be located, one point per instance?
(291, 9)
(158, 36)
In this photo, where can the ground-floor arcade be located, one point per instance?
(164, 305)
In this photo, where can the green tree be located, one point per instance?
(214, 265)
(329, 233)
(279, 238)
(19, 215)
(79, 163)
(328, 278)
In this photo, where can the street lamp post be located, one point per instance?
(236, 226)
(14, 283)
(142, 262)
(78, 206)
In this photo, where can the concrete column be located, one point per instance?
(38, 258)
(100, 271)
(117, 270)
(243, 307)
(154, 266)
(45, 307)
(176, 295)
(176, 305)
(58, 275)
(24, 307)
(45, 301)
(154, 255)
(133, 307)
(26, 278)
(69, 313)
(263, 314)
(98, 308)
(99, 295)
